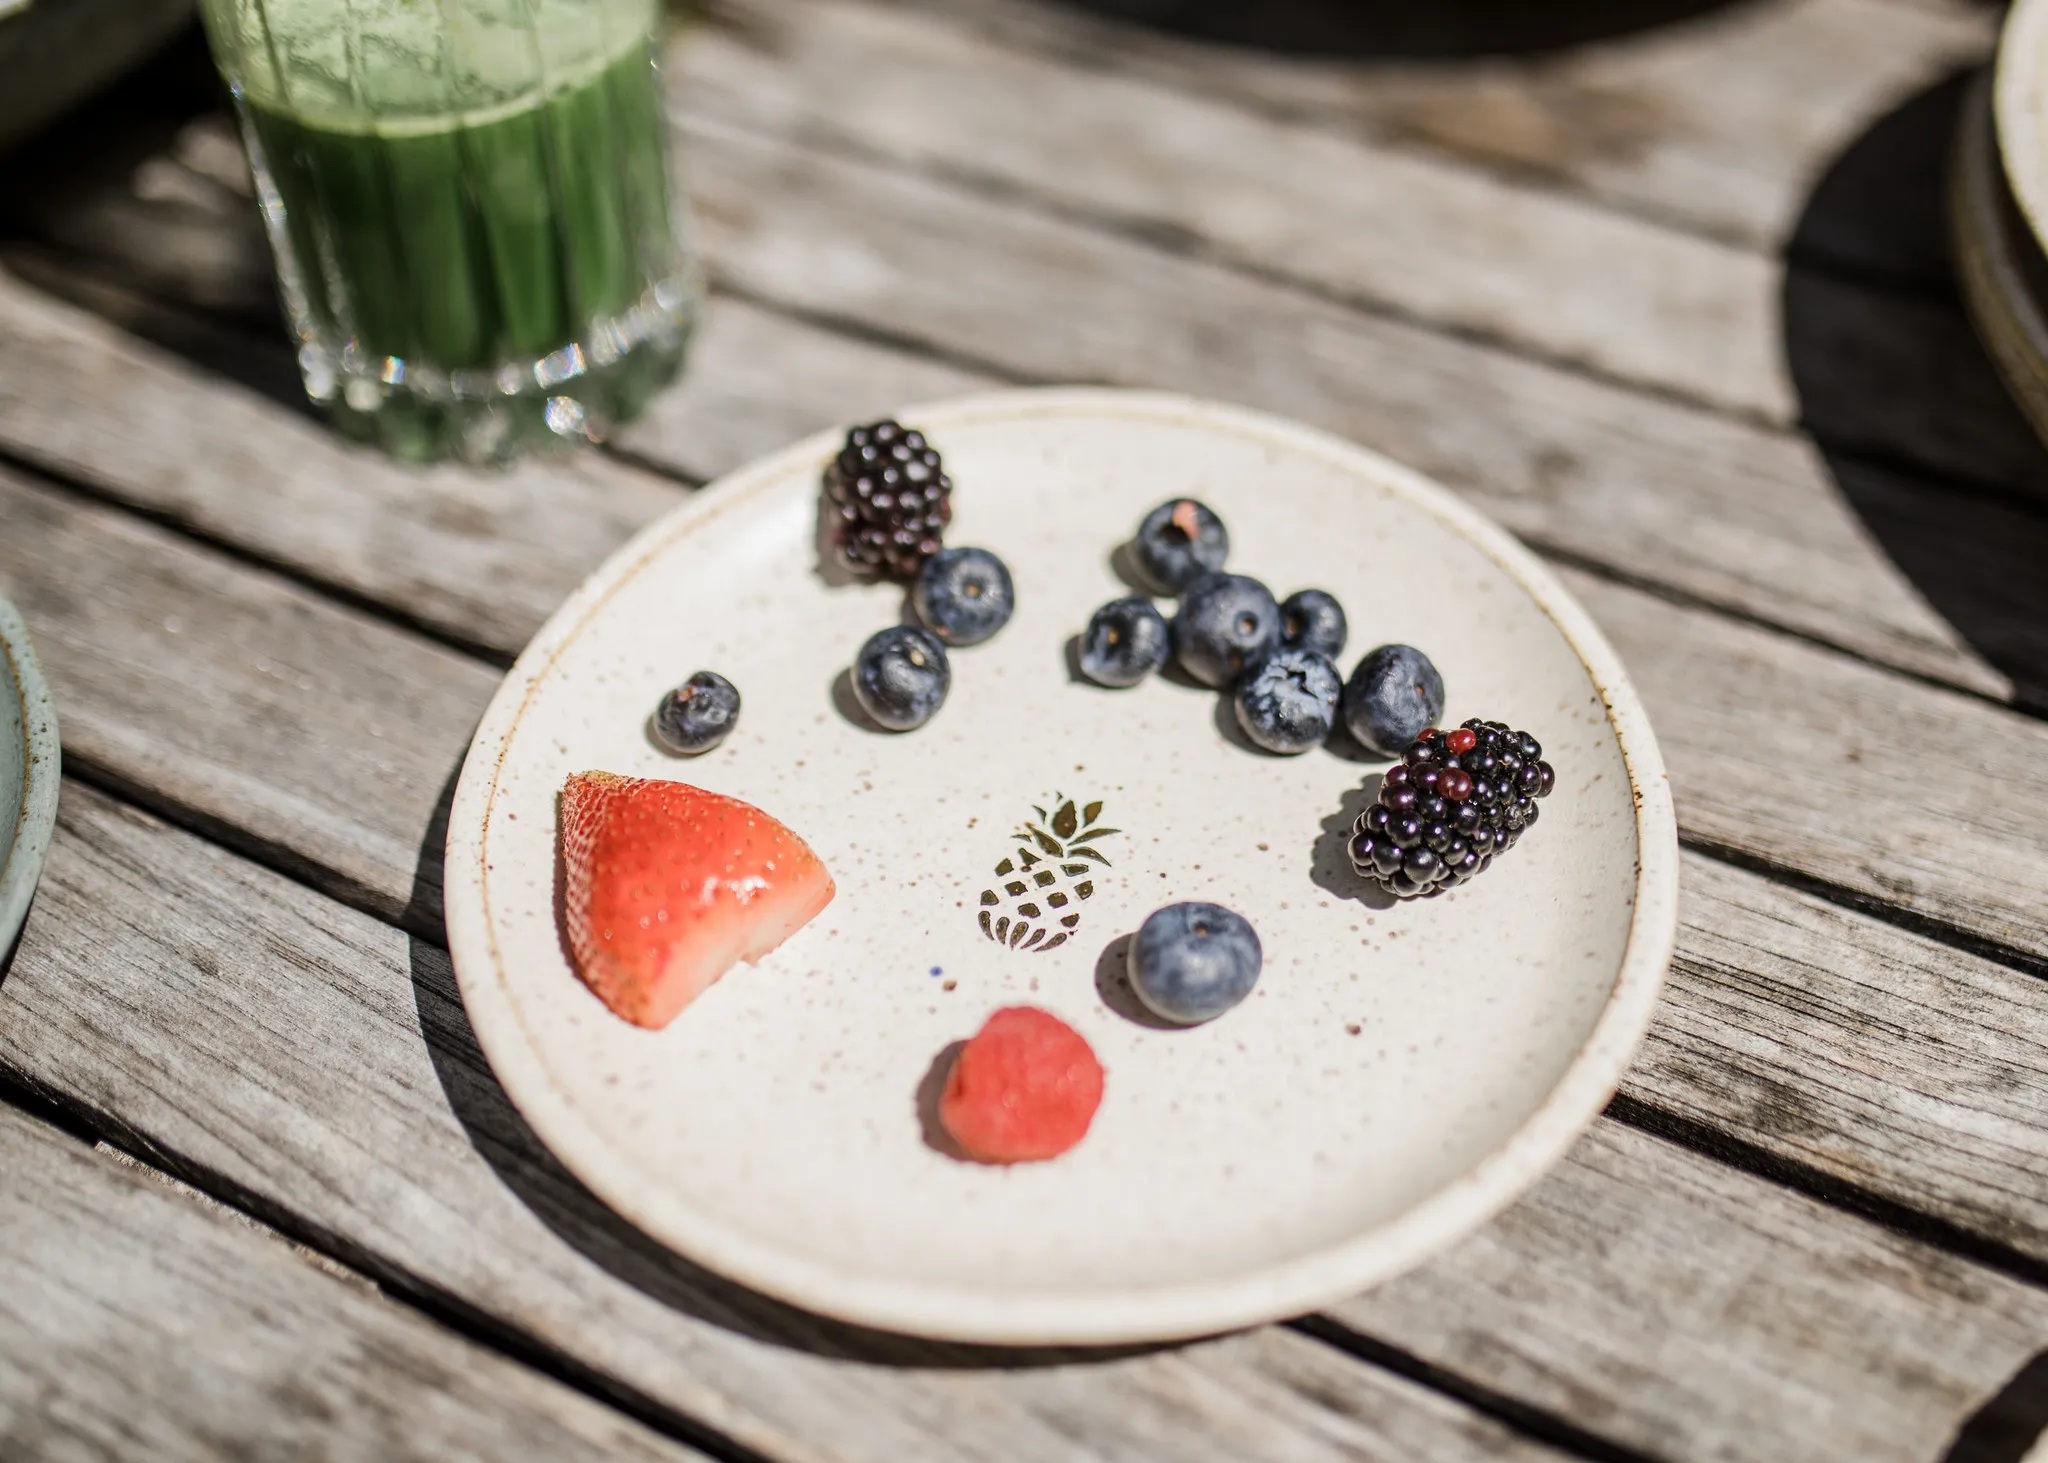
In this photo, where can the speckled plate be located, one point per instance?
(1398, 1076)
(28, 774)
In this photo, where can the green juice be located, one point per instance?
(472, 281)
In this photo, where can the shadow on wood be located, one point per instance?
(2005, 1429)
(1869, 303)
(583, 1221)
(137, 207)
(1365, 29)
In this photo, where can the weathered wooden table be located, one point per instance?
(1674, 306)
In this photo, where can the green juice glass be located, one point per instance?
(480, 239)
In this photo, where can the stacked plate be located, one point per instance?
(1998, 208)
(28, 774)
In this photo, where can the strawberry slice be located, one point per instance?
(1024, 1088)
(666, 886)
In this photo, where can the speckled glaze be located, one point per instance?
(1399, 1074)
(29, 774)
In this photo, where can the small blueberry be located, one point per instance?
(1289, 704)
(1177, 543)
(964, 595)
(1190, 963)
(695, 716)
(901, 677)
(1126, 640)
(1393, 696)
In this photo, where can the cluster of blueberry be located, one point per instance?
(1276, 658)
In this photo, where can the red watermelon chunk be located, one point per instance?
(1024, 1088)
(667, 886)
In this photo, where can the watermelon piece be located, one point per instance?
(666, 887)
(1024, 1088)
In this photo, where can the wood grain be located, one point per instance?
(1377, 226)
(1689, 1312)
(247, 1029)
(1733, 515)
(1718, 125)
(1689, 499)
(253, 1034)
(1885, 1061)
(134, 1323)
(194, 681)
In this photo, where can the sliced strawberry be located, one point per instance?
(667, 886)
(1024, 1088)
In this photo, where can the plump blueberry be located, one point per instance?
(1314, 621)
(1289, 703)
(964, 595)
(1392, 698)
(1178, 543)
(696, 715)
(901, 677)
(1227, 624)
(1192, 962)
(1125, 642)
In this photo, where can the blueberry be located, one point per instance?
(901, 677)
(1314, 621)
(1392, 698)
(964, 595)
(696, 715)
(1227, 624)
(1192, 962)
(1126, 640)
(1178, 543)
(1289, 704)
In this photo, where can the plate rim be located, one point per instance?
(21, 866)
(1097, 1316)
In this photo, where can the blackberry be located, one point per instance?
(1455, 802)
(892, 498)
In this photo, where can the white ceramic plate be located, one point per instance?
(1398, 1076)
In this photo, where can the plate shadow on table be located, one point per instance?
(1880, 350)
(583, 1221)
(1401, 29)
(2006, 1428)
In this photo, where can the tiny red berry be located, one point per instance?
(1461, 741)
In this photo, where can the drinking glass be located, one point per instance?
(480, 241)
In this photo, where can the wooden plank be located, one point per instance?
(1672, 1300)
(1775, 749)
(1687, 1311)
(1719, 125)
(1888, 1062)
(106, 593)
(136, 1324)
(194, 681)
(1417, 235)
(1739, 517)
(1555, 277)
(478, 558)
(254, 1034)
(1718, 509)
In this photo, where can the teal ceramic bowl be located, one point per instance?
(28, 774)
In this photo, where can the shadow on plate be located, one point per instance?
(583, 1221)
(1113, 986)
(1902, 400)
(1330, 861)
(1367, 29)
